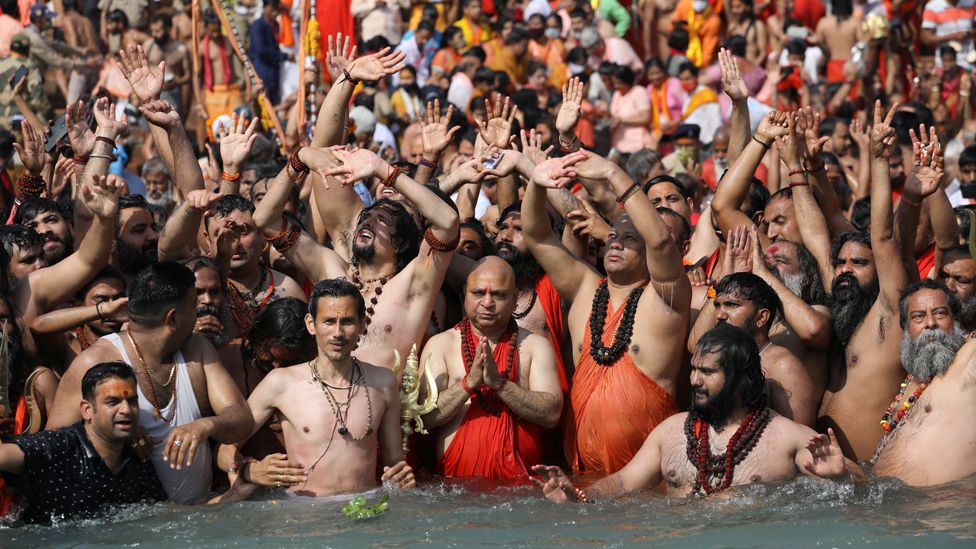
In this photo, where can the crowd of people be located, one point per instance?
(225, 234)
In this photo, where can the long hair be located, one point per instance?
(407, 231)
(739, 356)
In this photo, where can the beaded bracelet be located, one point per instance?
(297, 175)
(765, 145)
(437, 245)
(29, 185)
(631, 191)
(392, 177)
(281, 233)
(289, 241)
(296, 163)
(581, 496)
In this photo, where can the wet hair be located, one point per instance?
(640, 162)
(336, 287)
(667, 179)
(157, 289)
(738, 355)
(487, 246)
(32, 207)
(758, 198)
(968, 156)
(104, 371)
(108, 272)
(861, 214)
(685, 226)
(282, 322)
(406, 229)
(691, 183)
(736, 44)
(785, 192)
(19, 236)
(928, 284)
(859, 237)
(753, 289)
(688, 66)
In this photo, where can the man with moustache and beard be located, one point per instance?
(163, 47)
(51, 220)
(136, 236)
(728, 403)
(930, 426)
(159, 188)
(869, 276)
(959, 274)
(539, 308)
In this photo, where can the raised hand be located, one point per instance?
(105, 118)
(101, 196)
(773, 125)
(587, 223)
(555, 485)
(569, 111)
(927, 163)
(882, 134)
(557, 172)
(808, 124)
(470, 171)
(161, 113)
(338, 56)
(200, 201)
(788, 144)
(116, 309)
(532, 147)
(738, 251)
(146, 84)
(828, 460)
(732, 82)
(355, 165)
(235, 145)
(496, 130)
(80, 136)
(759, 267)
(435, 134)
(31, 152)
(378, 65)
(64, 172)
(861, 134)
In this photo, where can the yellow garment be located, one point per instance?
(702, 95)
(696, 22)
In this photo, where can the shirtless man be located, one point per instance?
(186, 398)
(837, 34)
(137, 237)
(400, 279)
(743, 300)
(474, 377)
(215, 93)
(328, 452)
(162, 47)
(933, 441)
(727, 392)
(959, 274)
(869, 276)
(645, 275)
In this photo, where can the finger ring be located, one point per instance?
(177, 443)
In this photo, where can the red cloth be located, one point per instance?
(549, 299)
(7, 495)
(501, 447)
(926, 261)
(613, 408)
(334, 16)
(809, 12)
(208, 66)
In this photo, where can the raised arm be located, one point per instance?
(735, 88)
(734, 187)
(435, 136)
(892, 277)
(235, 149)
(569, 114)
(924, 180)
(184, 166)
(146, 86)
(180, 231)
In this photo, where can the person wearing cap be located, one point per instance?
(33, 88)
(686, 146)
(50, 53)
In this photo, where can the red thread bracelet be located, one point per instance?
(464, 385)
(908, 202)
(798, 171)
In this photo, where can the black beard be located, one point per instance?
(363, 254)
(716, 410)
(850, 304)
(161, 42)
(968, 313)
(931, 353)
(55, 256)
(527, 269)
(131, 260)
(219, 313)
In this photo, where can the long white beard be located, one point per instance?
(931, 353)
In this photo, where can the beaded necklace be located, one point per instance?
(361, 284)
(528, 309)
(341, 411)
(606, 356)
(152, 388)
(888, 422)
(485, 397)
(82, 339)
(244, 305)
(722, 466)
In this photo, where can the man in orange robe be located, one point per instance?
(497, 383)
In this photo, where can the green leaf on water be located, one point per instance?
(357, 509)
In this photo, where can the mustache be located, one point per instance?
(208, 309)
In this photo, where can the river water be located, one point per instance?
(803, 513)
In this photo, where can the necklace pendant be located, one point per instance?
(343, 431)
(156, 413)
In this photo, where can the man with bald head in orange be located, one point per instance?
(498, 384)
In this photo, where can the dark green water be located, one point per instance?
(803, 513)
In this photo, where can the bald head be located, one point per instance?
(489, 295)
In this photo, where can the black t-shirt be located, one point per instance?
(65, 478)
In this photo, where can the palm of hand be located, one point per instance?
(232, 148)
(548, 172)
(929, 179)
(434, 137)
(535, 154)
(878, 137)
(82, 139)
(498, 132)
(567, 117)
(366, 68)
(336, 65)
(146, 85)
(105, 119)
(362, 163)
(166, 119)
(735, 87)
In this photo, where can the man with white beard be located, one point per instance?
(930, 426)
(159, 188)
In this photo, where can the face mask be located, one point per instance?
(576, 69)
(689, 86)
(552, 33)
(699, 5)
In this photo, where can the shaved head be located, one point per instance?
(489, 295)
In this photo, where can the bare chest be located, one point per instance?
(314, 413)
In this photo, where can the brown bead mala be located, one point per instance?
(80, 336)
(722, 466)
(29, 186)
(436, 245)
(360, 284)
(483, 395)
(243, 310)
(603, 355)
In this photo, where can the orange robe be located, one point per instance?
(613, 408)
(551, 305)
(496, 447)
